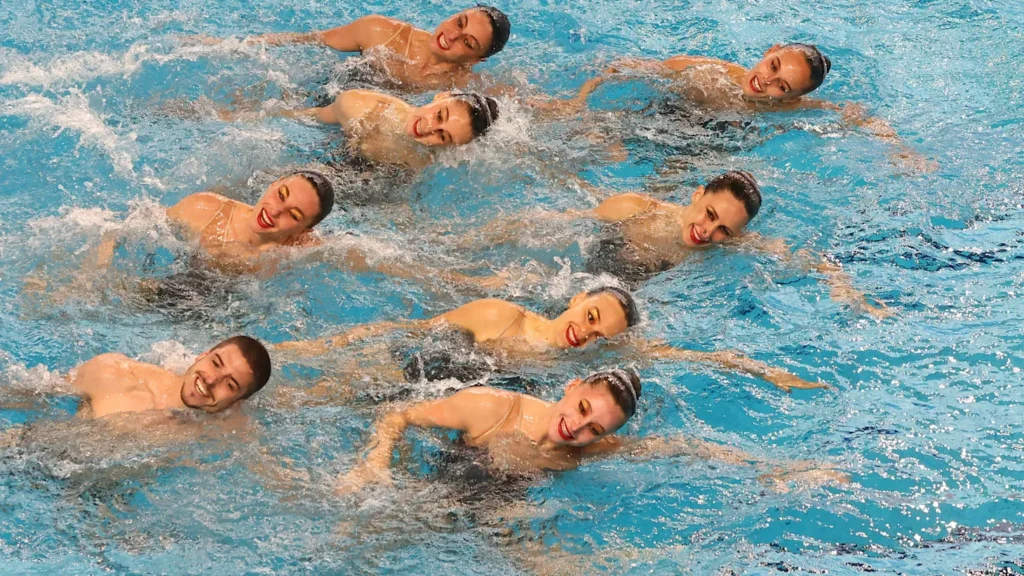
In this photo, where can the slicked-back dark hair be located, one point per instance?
(625, 300)
(256, 356)
(818, 63)
(324, 193)
(500, 29)
(742, 186)
(624, 386)
(483, 110)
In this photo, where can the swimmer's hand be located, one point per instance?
(305, 347)
(913, 162)
(781, 480)
(200, 40)
(359, 477)
(787, 382)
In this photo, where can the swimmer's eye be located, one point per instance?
(711, 215)
(775, 65)
(468, 44)
(590, 317)
(785, 87)
(283, 193)
(296, 215)
(583, 409)
(460, 21)
(445, 138)
(593, 430)
(438, 116)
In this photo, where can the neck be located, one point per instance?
(537, 330)
(166, 387)
(535, 426)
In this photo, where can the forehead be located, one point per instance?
(234, 362)
(459, 122)
(478, 25)
(302, 195)
(729, 209)
(604, 409)
(793, 64)
(609, 307)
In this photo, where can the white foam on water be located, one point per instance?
(170, 355)
(146, 220)
(72, 112)
(38, 380)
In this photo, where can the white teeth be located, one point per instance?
(443, 42)
(201, 388)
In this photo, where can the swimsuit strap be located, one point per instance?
(517, 405)
(521, 314)
(227, 225)
(408, 42)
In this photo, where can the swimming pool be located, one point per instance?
(925, 418)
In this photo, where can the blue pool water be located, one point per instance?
(926, 416)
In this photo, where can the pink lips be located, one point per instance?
(264, 220)
(439, 36)
(696, 237)
(571, 337)
(563, 431)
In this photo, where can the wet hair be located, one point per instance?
(625, 300)
(500, 29)
(256, 357)
(818, 63)
(483, 110)
(324, 193)
(742, 186)
(624, 386)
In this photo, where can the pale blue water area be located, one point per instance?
(926, 416)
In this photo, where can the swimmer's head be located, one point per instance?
(292, 205)
(786, 72)
(594, 407)
(721, 209)
(471, 35)
(233, 370)
(452, 119)
(601, 313)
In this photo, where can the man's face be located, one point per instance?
(218, 379)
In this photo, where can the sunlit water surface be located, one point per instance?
(926, 417)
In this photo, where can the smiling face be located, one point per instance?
(217, 380)
(443, 122)
(285, 210)
(586, 414)
(465, 37)
(783, 74)
(589, 318)
(712, 218)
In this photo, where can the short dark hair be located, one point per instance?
(624, 386)
(483, 110)
(500, 29)
(742, 186)
(818, 63)
(256, 356)
(324, 193)
(625, 300)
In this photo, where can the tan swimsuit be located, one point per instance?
(227, 224)
(510, 422)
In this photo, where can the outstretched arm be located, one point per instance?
(461, 411)
(735, 361)
(352, 335)
(842, 289)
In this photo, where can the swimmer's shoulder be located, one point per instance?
(622, 206)
(487, 407)
(197, 208)
(91, 374)
(357, 103)
(485, 317)
(684, 61)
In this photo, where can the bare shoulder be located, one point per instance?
(106, 361)
(487, 404)
(198, 206)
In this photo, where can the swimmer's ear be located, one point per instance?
(572, 385)
(442, 95)
(697, 194)
(772, 49)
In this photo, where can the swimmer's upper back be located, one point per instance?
(488, 319)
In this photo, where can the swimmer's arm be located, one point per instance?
(840, 283)
(362, 332)
(92, 376)
(621, 207)
(458, 412)
(354, 37)
(733, 361)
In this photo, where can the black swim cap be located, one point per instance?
(818, 62)
(500, 29)
(742, 186)
(324, 193)
(624, 386)
(483, 110)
